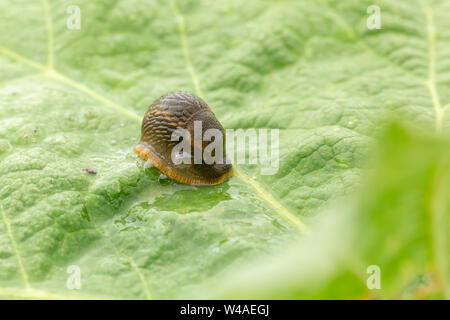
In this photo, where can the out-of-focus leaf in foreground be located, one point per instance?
(399, 222)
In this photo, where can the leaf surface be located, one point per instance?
(73, 99)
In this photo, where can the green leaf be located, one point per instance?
(73, 99)
(398, 222)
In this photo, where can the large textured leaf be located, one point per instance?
(399, 222)
(73, 99)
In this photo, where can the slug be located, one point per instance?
(181, 111)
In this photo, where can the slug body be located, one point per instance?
(174, 112)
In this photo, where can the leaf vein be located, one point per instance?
(49, 27)
(260, 191)
(431, 83)
(23, 273)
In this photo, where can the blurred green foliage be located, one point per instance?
(398, 221)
